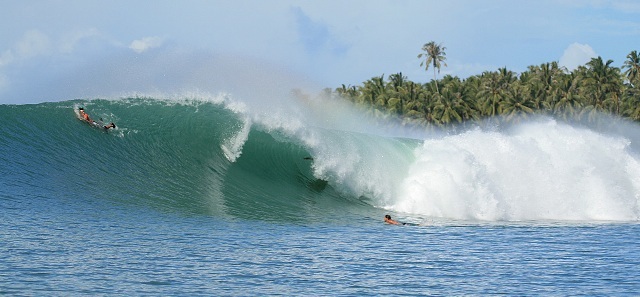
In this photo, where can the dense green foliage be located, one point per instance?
(591, 89)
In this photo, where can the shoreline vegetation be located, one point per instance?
(546, 89)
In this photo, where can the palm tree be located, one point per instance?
(582, 93)
(516, 104)
(633, 68)
(493, 89)
(544, 82)
(397, 80)
(373, 93)
(444, 109)
(569, 102)
(434, 56)
(632, 104)
(450, 105)
(604, 82)
(348, 92)
(415, 103)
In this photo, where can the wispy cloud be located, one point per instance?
(144, 44)
(33, 43)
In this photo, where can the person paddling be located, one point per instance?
(88, 119)
(389, 220)
(84, 115)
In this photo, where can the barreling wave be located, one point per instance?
(306, 161)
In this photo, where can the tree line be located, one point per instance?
(579, 95)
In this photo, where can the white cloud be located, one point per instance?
(144, 44)
(576, 55)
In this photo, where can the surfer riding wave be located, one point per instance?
(85, 117)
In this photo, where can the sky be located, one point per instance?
(61, 50)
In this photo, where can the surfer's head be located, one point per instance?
(388, 217)
(81, 108)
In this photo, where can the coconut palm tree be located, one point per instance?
(544, 82)
(397, 80)
(517, 104)
(415, 103)
(633, 68)
(445, 108)
(631, 104)
(348, 92)
(569, 102)
(450, 105)
(493, 89)
(582, 93)
(604, 84)
(374, 93)
(435, 56)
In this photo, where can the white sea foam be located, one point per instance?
(232, 146)
(537, 171)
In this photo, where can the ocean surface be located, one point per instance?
(220, 196)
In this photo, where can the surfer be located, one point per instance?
(389, 220)
(84, 115)
(88, 119)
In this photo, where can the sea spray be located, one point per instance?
(542, 170)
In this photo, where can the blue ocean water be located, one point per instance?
(210, 197)
(96, 249)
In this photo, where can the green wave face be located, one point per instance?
(164, 155)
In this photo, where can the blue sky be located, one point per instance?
(57, 50)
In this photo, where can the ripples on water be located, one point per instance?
(68, 250)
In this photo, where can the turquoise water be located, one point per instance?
(210, 197)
